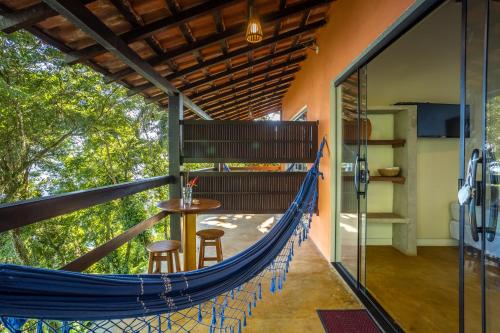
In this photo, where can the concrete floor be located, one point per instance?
(311, 283)
(421, 292)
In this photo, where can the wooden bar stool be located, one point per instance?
(165, 250)
(210, 237)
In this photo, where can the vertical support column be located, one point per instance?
(404, 235)
(175, 114)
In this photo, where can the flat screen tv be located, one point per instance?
(440, 120)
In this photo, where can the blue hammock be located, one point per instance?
(219, 297)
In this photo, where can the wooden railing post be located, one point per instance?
(175, 115)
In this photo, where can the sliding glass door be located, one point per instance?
(480, 271)
(351, 99)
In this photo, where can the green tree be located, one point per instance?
(63, 129)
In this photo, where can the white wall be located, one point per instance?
(437, 173)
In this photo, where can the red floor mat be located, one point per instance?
(347, 321)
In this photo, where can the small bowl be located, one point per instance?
(389, 172)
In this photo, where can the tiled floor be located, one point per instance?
(311, 283)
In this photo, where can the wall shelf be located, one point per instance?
(395, 180)
(395, 143)
(386, 218)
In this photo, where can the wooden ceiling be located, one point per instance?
(194, 47)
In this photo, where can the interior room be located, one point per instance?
(413, 95)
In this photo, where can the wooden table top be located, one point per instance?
(175, 206)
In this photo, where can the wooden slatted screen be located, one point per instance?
(249, 141)
(249, 192)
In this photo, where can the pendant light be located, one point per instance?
(254, 28)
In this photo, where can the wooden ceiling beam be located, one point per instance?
(252, 94)
(227, 56)
(80, 16)
(136, 22)
(255, 75)
(249, 106)
(263, 71)
(35, 31)
(274, 106)
(232, 104)
(135, 35)
(277, 25)
(251, 85)
(249, 88)
(256, 115)
(255, 112)
(224, 57)
(248, 102)
(29, 16)
(150, 29)
(232, 70)
(262, 114)
(185, 29)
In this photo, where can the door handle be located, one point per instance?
(475, 192)
(364, 176)
(494, 171)
(356, 174)
(361, 175)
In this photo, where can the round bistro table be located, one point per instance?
(188, 213)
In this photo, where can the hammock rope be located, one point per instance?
(220, 297)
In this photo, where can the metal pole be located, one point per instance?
(175, 115)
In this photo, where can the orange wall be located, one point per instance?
(352, 26)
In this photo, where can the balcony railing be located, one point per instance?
(22, 213)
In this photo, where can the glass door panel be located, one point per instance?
(492, 173)
(364, 173)
(472, 307)
(354, 175)
(481, 270)
(348, 219)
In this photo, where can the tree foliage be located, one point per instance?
(63, 129)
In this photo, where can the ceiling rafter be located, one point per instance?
(254, 109)
(130, 37)
(185, 30)
(5, 11)
(251, 94)
(248, 106)
(285, 73)
(225, 57)
(275, 106)
(266, 111)
(125, 9)
(79, 15)
(237, 102)
(247, 88)
(263, 71)
(257, 114)
(234, 69)
(29, 16)
(250, 101)
(154, 27)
